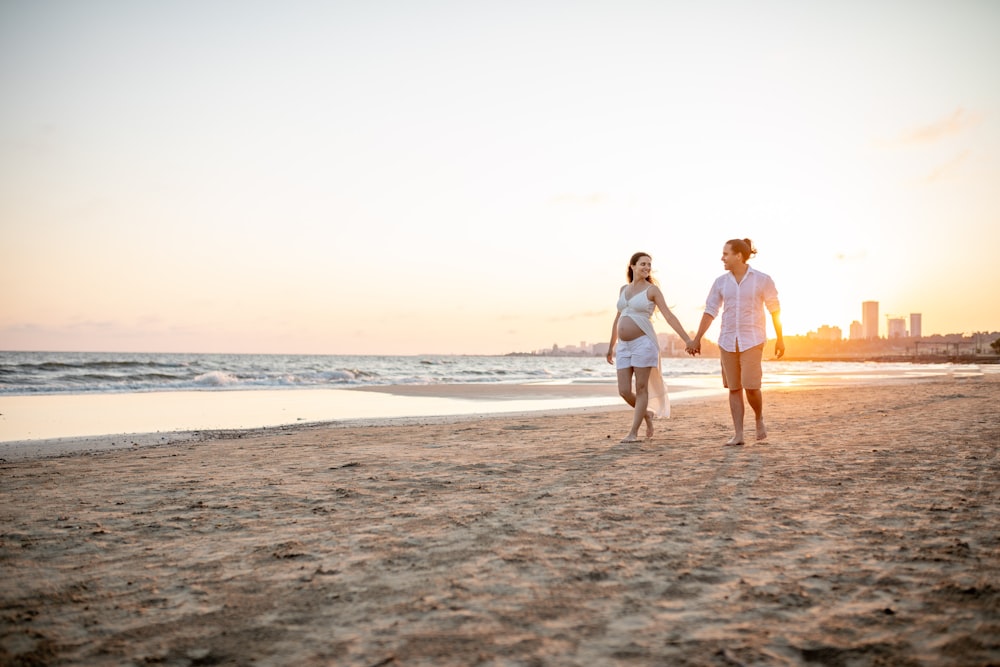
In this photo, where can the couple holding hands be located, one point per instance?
(742, 293)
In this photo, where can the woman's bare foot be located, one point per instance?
(733, 441)
(761, 430)
(630, 438)
(649, 424)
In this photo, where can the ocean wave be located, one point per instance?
(216, 379)
(82, 365)
(27, 373)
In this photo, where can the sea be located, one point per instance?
(35, 373)
(24, 373)
(69, 396)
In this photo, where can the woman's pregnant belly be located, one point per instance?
(628, 329)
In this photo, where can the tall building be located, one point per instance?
(857, 331)
(895, 327)
(869, 319)
(915, 329)
(826, 332)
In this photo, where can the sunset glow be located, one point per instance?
(445, 177)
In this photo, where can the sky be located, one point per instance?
(463, 177)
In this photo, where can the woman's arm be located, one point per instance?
(668, 315)
(614, 339)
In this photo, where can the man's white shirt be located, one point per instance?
(742, 303)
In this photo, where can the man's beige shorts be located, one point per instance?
(742, 370)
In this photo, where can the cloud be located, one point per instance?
(959, 121)
(589, 314)
(943, 171)
(43, 141)
(594, 199)
(851, 257)
(100, 329)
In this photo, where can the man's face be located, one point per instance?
(730, 259)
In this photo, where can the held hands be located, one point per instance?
(694, 347)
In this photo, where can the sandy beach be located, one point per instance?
(865, 531)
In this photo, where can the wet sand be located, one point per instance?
(866, 531)
(110, 419)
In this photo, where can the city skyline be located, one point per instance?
(895, 328)
(672, 345)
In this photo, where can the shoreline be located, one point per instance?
(162, 413)
(862, 532)
(445, 404)
(62, 425)
(988, 360)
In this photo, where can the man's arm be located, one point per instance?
(695, 346)
(779, 346)
(712, 305)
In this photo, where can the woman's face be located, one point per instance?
(642, 268)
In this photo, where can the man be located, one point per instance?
(743, 293)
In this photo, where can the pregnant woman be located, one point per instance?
(634, 349)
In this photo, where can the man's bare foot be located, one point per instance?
(761, 430)
(649, 424)
(630, 438)
(735, 440)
